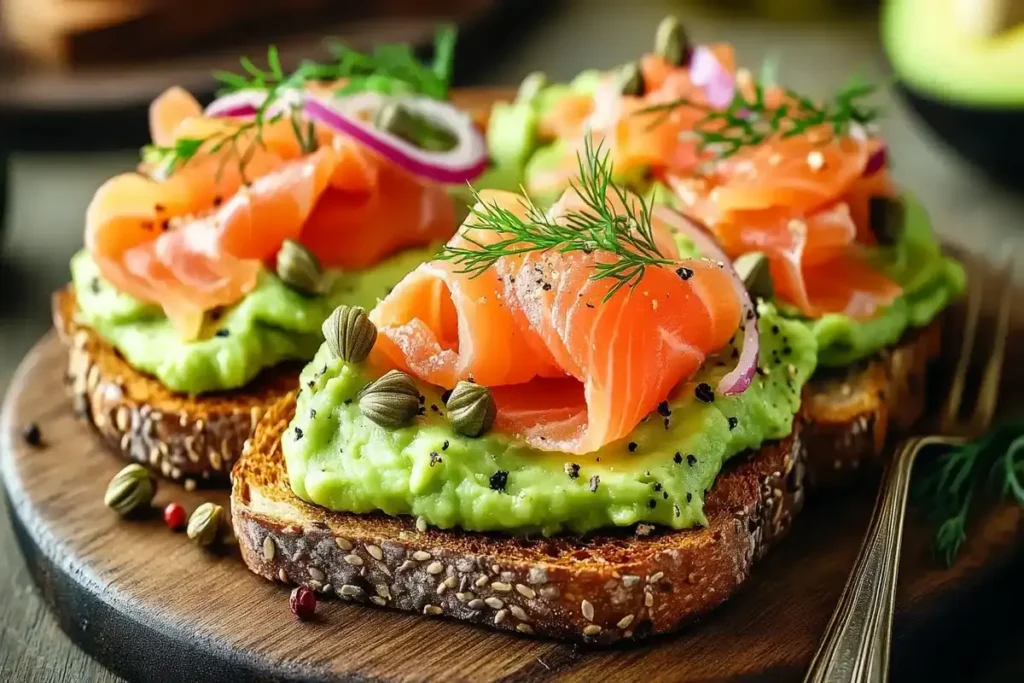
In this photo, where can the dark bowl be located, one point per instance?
(990, 138)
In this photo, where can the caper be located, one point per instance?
(349, 333)
(470, 409)
(391, 401)
(671, 42)
(299, 268)
(629, 79)
(131, 489)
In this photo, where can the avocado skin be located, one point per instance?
(990, 138)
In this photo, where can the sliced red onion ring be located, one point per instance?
(876, 162)
(707, 72)
(739, 378)
(464, 162)
(243, 103)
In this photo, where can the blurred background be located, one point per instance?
(76, 77)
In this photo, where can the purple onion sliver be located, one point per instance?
(463, 163)
(739, 378)
(876, 161)
(707, 72)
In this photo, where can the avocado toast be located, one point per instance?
(206, 275)
(800, 186)
(554, 409)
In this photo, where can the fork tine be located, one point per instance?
(988, 392)
(951, 407)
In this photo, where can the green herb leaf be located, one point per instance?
(749, 121)
(627, 235)
(391, 69)
(953, 481)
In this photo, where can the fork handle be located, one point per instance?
(855, 647)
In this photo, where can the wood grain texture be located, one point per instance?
(151, 606)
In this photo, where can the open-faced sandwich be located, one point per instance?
(208, 272)
(796, 188)
(575, 422)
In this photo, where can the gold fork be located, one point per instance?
(855, 647)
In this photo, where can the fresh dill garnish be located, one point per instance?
(748, 121)
(954, 481)
(627, 234)
(390, 69)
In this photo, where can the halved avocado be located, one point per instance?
(960, 66)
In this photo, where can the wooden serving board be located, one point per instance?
(151, 606)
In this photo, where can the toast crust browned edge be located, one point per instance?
(850, 414)
(194, 440)
(600, 589)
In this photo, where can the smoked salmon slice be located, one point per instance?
(803, 200)
(194, 237)
(572, 366)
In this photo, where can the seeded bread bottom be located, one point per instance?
(600, 588)
(850, 414)
(194, 440)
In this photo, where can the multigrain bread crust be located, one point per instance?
(194, 440)
(601, 588)
(850, 414)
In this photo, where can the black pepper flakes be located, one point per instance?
(218, 200)
(499, 480)
(31, 434)
(444, 446)
(435, 458)
(652, 503)
(632, 446)
(94, 285)
(572, 469)
(664, 410)
(775, 329)
(678, 512)
(546, 286)
(678, 458)
(664, 495)
(590, 305)
(312, 414)
(446, 395)
(732, 423)
(222, 332)
(689, 497)
(705, 393)
(347, 401)
(595, 481)
(165, 225)
(298, 433)
(684, 273)
(691, 459)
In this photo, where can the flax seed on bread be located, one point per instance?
(601, 588)
(194, 440)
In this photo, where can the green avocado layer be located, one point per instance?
(272, 324)
(932, 51)
(340, 460)
(930, 281)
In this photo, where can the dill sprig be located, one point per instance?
(627, 235)
(954, 481)
(749, 121)
(390, 69)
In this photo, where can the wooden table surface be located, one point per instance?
(50, 194)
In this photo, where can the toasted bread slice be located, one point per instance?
(850, 413)
(600, 588)
(194, 440)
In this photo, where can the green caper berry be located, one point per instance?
(205, 524)
(349, 333)
(391, 401)
(470, 409)
(131, 489)
(671, 42)
(402, 122)
(753, 270)
(630, 80)
(299, 268)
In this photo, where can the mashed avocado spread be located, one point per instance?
(659, 474)
(272, 324)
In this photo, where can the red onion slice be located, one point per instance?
(876, 162)
(707, 72)
(238, 103)
(739, 378)
(466, 161)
